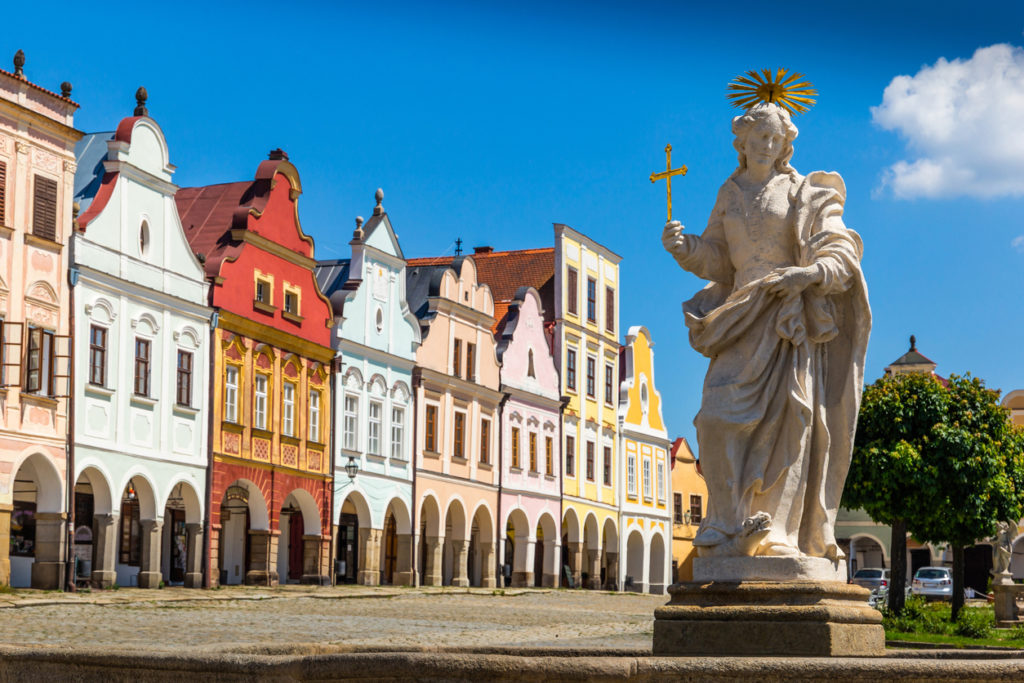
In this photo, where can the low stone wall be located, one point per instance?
(320, 664)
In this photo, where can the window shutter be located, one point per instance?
(44, 208)
(3, 193)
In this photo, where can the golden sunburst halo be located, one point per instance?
(787, 91)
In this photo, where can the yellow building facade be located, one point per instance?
(586, 329)
(645, 518)
(689, 505)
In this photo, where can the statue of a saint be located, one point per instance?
(1002, 549)
(785, 321)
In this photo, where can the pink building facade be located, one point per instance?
(530, 500)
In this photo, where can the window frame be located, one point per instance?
(549, 455)
(260, 402)
(570, 369)
(398, 432)
(609, 384)
(591, 376)
(647, 474)
(183, 379)
(572, 287)
(457, 357)
(677, 508)
(459, 435)
(606, 475)
(350, 422)
(660, 474)
(591, 465)
(609, 309)
(696, 502)
(143, 367)
(98, 355)
(591, 299)
(485, 441)
(533, 452)
(374, 427)
(570, 456)
(231, 393)
(430, 428)
(288, 409)
(313, 428)
(631, 473)
(514, 445)
(470, 362)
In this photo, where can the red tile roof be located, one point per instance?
(40, 88)
(207, 214)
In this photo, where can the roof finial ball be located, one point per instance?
(357, 234)
(913, 343)
(65, 90)
(378, 210)
(140, 102)
(19, 64)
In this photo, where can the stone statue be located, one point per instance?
(1002, 549)
(785, 322)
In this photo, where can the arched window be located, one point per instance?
(529, 368)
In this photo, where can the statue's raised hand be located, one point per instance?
(791, 280)
(672, 237)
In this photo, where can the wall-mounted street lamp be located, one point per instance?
(351, 467)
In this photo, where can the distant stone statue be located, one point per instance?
(785, 321)
(1002, 549)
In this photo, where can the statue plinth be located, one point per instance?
(762, 568)
(768, 618)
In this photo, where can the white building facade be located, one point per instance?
(141, 364)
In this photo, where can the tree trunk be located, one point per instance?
(898, 567)
(958, 582)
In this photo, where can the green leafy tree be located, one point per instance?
(942, 462)
(975, 467)
(887, 474)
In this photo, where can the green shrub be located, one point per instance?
(1017, 632)
(974, 622)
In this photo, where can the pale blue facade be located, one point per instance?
(376, 337)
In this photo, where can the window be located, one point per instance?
(430, 433)
(572, 290)
(184, 385)
(457, 358)
(374, 429)
(291, 303)
(459, 445)
(97, 355)
(142, 355)
(695, 509)
(570, 369)
(631, 473)
(44, 208)
(39, 362)
(144, 238)
(591, 299)
(529, 364)
(471, 362)
(609, 394)
(591, 379)
(397, 433)
(288, 411)
(515, 447)
(647, 478)
(607, 463)
(549, 453)
(3, 193)
(661, 481)
(231, 394)
(259, 403)
(677, 508)
(533, 451)
(485, 441)
(570, 456)
(590, 461)
(351, 432)
(314, 416)
(644, 403)
(130, 547)
(609, 309)
(263, 294)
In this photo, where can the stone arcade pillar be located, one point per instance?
(149, 571)
(432, 566)
(312, 551)
(576, 563)
(460, 562)
(48, 568)
(552, 557)
(405, 567)
(594, 569)
(369, 557)
(104, 538)
(487, 566)
(262, 558)
(5, 544)
(524, 576)
(611, 571)
(193, 555)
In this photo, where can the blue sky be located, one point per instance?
(491, 121)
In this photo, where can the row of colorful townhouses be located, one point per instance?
(190, 398)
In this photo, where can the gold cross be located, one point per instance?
(667, 175)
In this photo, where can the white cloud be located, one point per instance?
(963, 122)
(1018, 243)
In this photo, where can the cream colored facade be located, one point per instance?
(645, 492)
(586, 350)
(689, 504)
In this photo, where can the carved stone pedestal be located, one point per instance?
(768, 618)
(1006, 594)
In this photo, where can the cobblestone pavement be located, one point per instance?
(233, 618)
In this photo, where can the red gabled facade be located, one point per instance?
(271, 475)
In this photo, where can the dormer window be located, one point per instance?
(291, 303)
(144, 239)
(263, 291)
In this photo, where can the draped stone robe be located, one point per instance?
(783, 387)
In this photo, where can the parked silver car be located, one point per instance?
(871, 578)
(933, 583)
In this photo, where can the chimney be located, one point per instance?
(483, 250)
(277, 155)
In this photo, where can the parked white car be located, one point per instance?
(934, 583)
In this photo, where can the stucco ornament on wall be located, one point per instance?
(785, 321)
